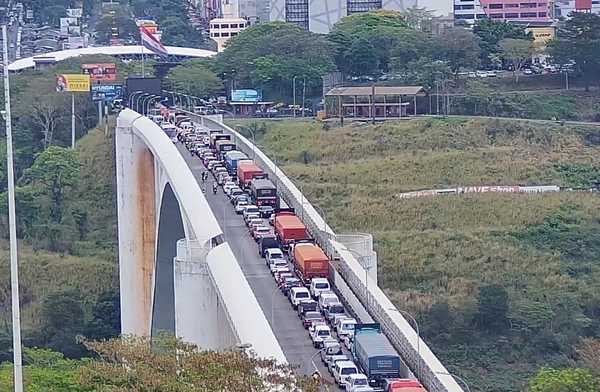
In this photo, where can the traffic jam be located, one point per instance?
(358, 356)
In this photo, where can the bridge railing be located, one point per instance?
(415, 352)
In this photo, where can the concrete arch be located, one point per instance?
(176, 271)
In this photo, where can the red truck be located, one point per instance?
(289, 228)
(310, 261)
(403, 385)
(246, 171)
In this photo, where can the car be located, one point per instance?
(235, 192)
(307, 306)
(331, 361)
(347, 341)
(318, 333)
(277, 265)
(282, 275)
(212, 164)
(330, 347)
(218, 172)
(253, 218)
(333, 310)
(273, 254)
(266, 211)
(345, 326)
(318, 285)
(357, 383)
(253, 223)
(241, 196)
(268, 242)
(207, 159)
(527, 71)
(260, 231)
(327, 298)
(298, 294)
(239, 207)
(289, 283)
(250, 209)
(277, 271)
(308, 318)
(228, 185)
(222, 178)
(342, 370)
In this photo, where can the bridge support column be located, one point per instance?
(137, 229)
(200, 317)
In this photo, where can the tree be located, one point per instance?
(578, 43)
(490, 33)
(566, 380)
(492, 307)
(460, 50)
(361, 58)
(55, 170)
(589, 353)
(106, 317)
(518, 52)
(167, 364)
(425, 72)
(194, 78)
(420, 18)
(62, 317)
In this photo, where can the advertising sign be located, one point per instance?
(72, 83)
(101, 72)
(246, 95)
(107, 92)
(66, 23)
(542, 35)
(74, 12)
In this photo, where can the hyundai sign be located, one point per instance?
(246, 96)
(107, 92)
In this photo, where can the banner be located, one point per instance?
(246, 95)
(74, 12)
(72, 83)
(101, 72)
(107, 92)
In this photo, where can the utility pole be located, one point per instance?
(373, 103)
(303, 94)
(294, 94)
(14, 265)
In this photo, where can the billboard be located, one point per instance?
(246, 95)
(72, 83)
(101, 72)
(147, 85)
(74, 12)
(66, 23)
(542, 35)
(107, 92)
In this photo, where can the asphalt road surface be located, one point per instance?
(284, 321)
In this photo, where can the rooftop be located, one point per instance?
(379, 90)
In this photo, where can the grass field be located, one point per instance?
(437, 253)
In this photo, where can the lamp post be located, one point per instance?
(131, 96)
(137, 101)
(12, 219)
(144, 100)
(457, 377)
(410, 316)
(294, 94)
(154, 97)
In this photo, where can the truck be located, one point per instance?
(309, 261)
(289, 228)
(218, 136)
(403, 385)
(246, 172)
(264, 193)
(231, 161)
(374, 355)
(224, 146)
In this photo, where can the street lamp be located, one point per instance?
(294, 93)
(457, 377)
(361, 260)
(131, 97)
(12, 221)
(137, 101)
(143, 101)
(154, 97)
(410, 316)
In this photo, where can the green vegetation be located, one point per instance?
(501, 284)
(551, 380)
(491, 33)
(194, 77)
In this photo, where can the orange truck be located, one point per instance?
(310, 261)
(289, 228)
(246, 171)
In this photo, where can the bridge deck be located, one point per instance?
(288, 330)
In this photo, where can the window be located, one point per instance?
(542, 4)
(234, 25)
(528, 15)
(528, 5)
(496, 16)
(542, 14)
(464, 7)
(225, 26)
(225, 34)
(465, 16)
(234, 34)
(511, 15)
(495, 6)
(216, 35)
(511, 6)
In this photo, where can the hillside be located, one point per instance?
(502, 284)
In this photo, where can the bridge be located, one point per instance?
(187, 266)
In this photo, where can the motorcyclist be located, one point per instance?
(214, 188)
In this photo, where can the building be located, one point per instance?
(222, 29)
(319, 16)
(522, 11)
(562, 8)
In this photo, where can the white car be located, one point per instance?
(233, 188)
(254, 221)
(357, 383)
(253, 216)
(319, 285)
(272, 255)
(278, 265)
(298, 294)
(345, 326)
(250, 209)
(228, 185)
(318, 333)
(239, 207)
(327, 298)
(342, 370)
(333, 359)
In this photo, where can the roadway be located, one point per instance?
(286, 325)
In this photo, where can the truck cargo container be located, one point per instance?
(402, 385)
(310, 261)
(218, 136)
(289, 228)
(375, 355)
(246, 172)
(264, 193)
(231, 161)
(223, 146)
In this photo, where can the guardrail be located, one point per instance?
(421, 361)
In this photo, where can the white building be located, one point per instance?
(467, 12)
(222, 29)
(562, 8)
(319, 16)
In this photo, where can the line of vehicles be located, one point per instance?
(358, 356)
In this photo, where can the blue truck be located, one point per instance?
(375, 355)
(231, 160)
